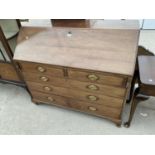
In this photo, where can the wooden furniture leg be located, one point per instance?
(132, 86)
(118, 125)
(133, 108)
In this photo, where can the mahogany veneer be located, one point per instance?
(85, 69)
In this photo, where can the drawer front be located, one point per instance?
(96, 99)
(49, 98)
(46, 88)
(41, 69)
(104, 78)
(45, 79)
(95, 109)
(76, 105)
(97, 88)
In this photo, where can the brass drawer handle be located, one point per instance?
(44, 78)
(93, 77)
(41, 69)
(92, 87)
(50, 98)
(92, 98)
(92, 108)
(47, 88)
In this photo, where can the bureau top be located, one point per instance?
(108, 50)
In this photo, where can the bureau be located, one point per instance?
(84, 69)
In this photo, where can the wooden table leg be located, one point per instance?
(132, 87)
(133, 108)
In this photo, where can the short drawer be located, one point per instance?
(96, 77)
(30, 67)
(49, 98)
(45, 79)
(98, 88)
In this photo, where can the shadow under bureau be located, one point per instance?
(85, 69)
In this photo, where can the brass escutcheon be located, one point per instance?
(93, 87)
(92, 108)
(50, 98)
(47, 88)
(92, 98)
(43, 78)
(93, 77)
(41, 69)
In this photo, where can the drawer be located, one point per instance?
(98, 88)
(98, 110)
(49, 98)
(77, 86)
(45, 79)
(96, 77)
(96, 99)
(30, 67)
(76, 105)
(46, 88)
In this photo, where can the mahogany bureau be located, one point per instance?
(85, 69)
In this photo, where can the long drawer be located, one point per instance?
(43, 69)
(76, 94)
(76, 85)
(77, 105)
(49, 98)
(95, 109)
(47, 88)
(94, 88)
(97, 99)
(96, 77)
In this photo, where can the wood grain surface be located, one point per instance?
(98, 110)
(86, 69)
(8, 72)
(107, 50)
